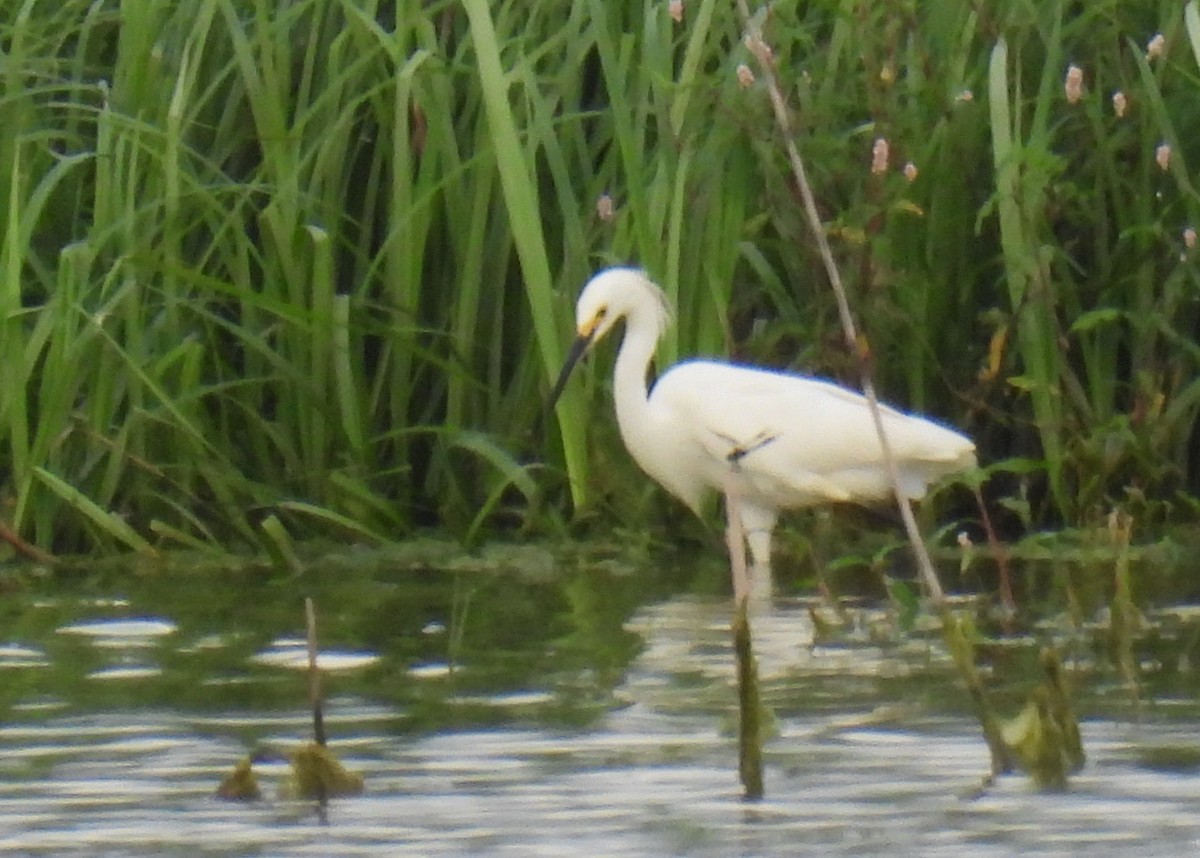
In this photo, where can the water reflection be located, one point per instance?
(120, 632)
(493, 717)
(292, 654)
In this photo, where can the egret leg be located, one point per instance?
(735, 539)
(759, 523)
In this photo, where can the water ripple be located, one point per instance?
(851, 771)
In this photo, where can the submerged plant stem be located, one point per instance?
(314, 673)
(963, 653)
(749, 706)
(1124, 613)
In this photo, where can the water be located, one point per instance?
(504, 715)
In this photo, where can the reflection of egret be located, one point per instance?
(777, 440)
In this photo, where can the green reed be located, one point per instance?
(315, 263)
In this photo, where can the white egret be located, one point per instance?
(779, 439)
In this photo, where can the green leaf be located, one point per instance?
(1091, 319)
(108, 522)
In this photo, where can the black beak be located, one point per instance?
(577, 350)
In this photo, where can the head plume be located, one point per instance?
(615, 293)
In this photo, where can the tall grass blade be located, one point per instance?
(106, 522)
(520, 196)
(1029, 284)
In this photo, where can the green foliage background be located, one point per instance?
(314, 262)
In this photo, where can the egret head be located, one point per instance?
(613, 294)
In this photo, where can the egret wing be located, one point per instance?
(800, 440)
